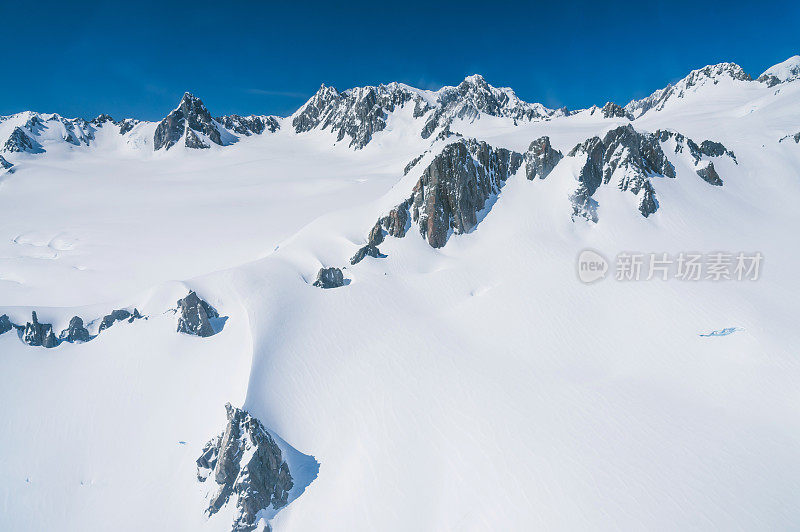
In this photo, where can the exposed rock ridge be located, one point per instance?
(249, 125)
(358, 113)
(245, 462)
(449, 196)
(627, 154)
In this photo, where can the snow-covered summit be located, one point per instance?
(696, 80)
(788, 70)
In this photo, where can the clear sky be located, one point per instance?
(135, 59)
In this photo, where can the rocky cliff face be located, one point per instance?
(541, 158)
(454, 188)
(357, 113)
(190, 118)
(627, 156)
(20, 141)
(245, 463)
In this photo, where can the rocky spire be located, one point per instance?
(186, 121)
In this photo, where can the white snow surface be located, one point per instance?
(479, 386)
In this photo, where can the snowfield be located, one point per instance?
(477, 386)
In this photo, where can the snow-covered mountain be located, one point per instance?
(366, 315)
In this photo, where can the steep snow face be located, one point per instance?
(788, 70)
(477, 385)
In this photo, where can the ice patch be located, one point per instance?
(723, 332)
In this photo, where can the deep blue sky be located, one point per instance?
(136, 59)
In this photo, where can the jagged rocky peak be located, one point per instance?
(456, 185)
(245, 463)
(188, 120)
(784, 72)
(541, 158)
(195, 316)
(357, 113)
(473, 97)
(249, 125)
(708, 75)
(329, 278)
(103, 119)
(627, 156)
(612, 110)
(20, 141)
(126, 125)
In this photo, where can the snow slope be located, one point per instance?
(479, 386)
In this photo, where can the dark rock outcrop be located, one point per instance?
(126, 125)
(195, 316)
(366, 251)
(118, 315)
(795, 137)
(612, 110)
(76, 332)
(249, 125)
(541, 158)
(39, 334)
(5, 324)
(190, 118)
(710, 175)
(5, 165)
(455, 187)
(244, 461)
(329, 278)
(412, 163)
(20, 141)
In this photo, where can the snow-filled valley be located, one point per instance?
(462, 377)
